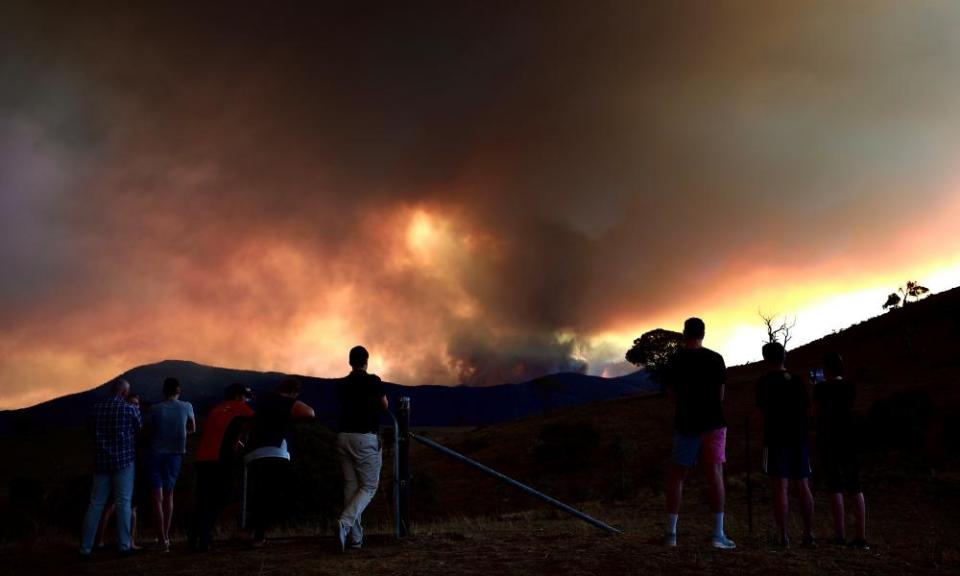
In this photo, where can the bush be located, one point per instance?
(317, 479)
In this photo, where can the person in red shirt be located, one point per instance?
(220, 447)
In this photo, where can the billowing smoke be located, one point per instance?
(472, 190)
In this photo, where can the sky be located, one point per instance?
(479, 192)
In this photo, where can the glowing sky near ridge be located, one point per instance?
(478, 192)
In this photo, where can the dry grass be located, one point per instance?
(914, 526)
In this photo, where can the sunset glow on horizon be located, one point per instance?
(484, 196)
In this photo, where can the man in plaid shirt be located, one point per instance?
(115, 424)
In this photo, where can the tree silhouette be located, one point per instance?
(893, 301)
(900, 298)
(781, 333)
(653, 349)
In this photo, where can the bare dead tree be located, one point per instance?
(778, 330)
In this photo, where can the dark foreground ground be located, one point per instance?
(915, 529)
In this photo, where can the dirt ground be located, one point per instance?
(914, 528)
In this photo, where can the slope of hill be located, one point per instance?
(906, 364)
(435, 405)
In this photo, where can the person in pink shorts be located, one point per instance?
(695, 377)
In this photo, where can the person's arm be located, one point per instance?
(723, 378)
(301, 411)
(191, 420)
(384, 403)
(137, 419)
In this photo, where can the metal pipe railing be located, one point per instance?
(519, 485)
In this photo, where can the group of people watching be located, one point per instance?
(234, 430)
(142, 452)
(695, 375)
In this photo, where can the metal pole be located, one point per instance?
(523, 487)
(746, 441)
(403, 467)
(397, 532)
(243, 505)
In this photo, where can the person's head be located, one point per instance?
(774, 354)
(693, 331)
(289, 387)
(133, 399)
(119, 387)
(832, 364)
(359, 358)
(237, 391)
(171, 387)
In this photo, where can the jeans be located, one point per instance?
(360, 458)
(121, 482)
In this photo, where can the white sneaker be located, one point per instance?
(670, 541)
(722, 542)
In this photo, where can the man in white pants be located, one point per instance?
(362, 400)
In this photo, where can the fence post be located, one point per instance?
(746, 449)
(403, 480)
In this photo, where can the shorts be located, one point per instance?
(787, 462)
(162, 470)
(710, 446)
(841, 469)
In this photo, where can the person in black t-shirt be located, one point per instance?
(696, 376)
(783, 401)
(836, 446)
(362, 400)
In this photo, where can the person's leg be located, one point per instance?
(123, 493)
(158, 522)
(368, 473)
(839, 516)
(99, 492)
(155, 486)
(802, 489)
(714, 455)
(718, 493)
(683, 457)
(860, 515)
(364, 449)
(210, 492)
(676, 475)
(172, 470)
(346, 453)
(167, 513)
(269, 482)
(104, 524)
(133, 527)
(781, 506)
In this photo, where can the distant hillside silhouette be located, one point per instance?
(434, 405)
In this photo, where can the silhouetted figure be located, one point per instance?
(134, 400)
(114, 423)
(362, 400)
(217, 456)
(167, 424)
(783, 401)
(695, 375)
(836, 445)
(268, 461)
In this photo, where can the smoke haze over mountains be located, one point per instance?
(478, 192)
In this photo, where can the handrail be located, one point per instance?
(521, 486)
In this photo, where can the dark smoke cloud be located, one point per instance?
(209, 182)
